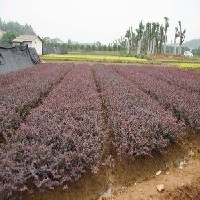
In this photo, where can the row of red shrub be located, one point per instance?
(179, 98)
(22, 90)
(139, 123)
(60, 140)
(188, 80)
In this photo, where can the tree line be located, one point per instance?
(196, 52)
(12, 30)
(151, 38)
(93, 47)
(15, 26)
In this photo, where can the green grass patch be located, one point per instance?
(183, 62)
(192, 61)
(93, 58)
(188, 65)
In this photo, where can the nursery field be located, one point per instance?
(77, 127)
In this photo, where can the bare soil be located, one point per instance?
(178, 184)
(129, 180)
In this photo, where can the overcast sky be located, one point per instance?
(102, 20)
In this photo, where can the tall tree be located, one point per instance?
(122, 43)
(153, 38)
(147, 37)
(175, 37)
(128, 40)
(166, 27)
(161, 38)
(140, 33)
(133, 40)
(157, 35)
(181, 36)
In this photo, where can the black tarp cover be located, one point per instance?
(13, 58)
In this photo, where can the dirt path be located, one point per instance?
(181, 178)
(180, 183)
(129, 180)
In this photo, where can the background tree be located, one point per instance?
(122, 43)
(154, 38)
(181, 36)
(140, 33)
(109, 47)
(175, 37)
(115, 46)
(154, 35)
(157, 35)
(8, 37)
(147, 37)
(128, 40)
(166, 27)
(93, 47)
(15, 26)
(196, 51)
(161, 39)
(133, 42)
(104, 47)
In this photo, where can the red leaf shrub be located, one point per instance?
(21, 90)
(61, 139)
(63, 132)
(139, 123)
(171, 91)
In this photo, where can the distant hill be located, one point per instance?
(81, 43)
(192, 44)
(58, 40)
(55, 40)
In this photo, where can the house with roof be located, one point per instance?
(30, 40)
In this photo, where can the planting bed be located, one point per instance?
(174, 89)
(23, 90)
(67, 125)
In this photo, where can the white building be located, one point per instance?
(30, 40)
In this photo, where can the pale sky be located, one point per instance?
(102, 20)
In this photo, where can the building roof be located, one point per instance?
(26, 38)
